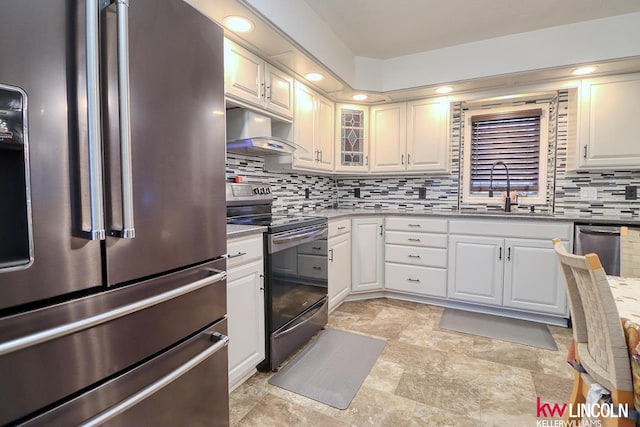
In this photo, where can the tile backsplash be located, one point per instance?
(288, 189)
(441, 191)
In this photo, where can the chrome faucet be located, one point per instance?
(507, 200)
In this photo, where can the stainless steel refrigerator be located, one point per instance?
(112, 214)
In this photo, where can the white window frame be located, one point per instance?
(541, 198)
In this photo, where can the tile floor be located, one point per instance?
(425, 376)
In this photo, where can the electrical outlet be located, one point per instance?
(588, 193)
(356, 193)
(631, 192)
(307, 192)
(422, 193)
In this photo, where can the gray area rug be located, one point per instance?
(497, 327)
(332, 368)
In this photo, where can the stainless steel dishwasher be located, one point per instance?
(601, 240)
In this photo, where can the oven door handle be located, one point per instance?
(300, 236)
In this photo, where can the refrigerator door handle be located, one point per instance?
(130, 402)
(107, 316)
(128, 230)
(96, 187)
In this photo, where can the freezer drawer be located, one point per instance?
(187, 385)
(48, 354)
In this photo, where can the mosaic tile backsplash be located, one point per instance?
(288, 189)
(442, 190)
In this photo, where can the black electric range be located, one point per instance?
(296, 263)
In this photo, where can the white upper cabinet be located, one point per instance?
(312, 129)
(324, 133)
(278, 91)
(388, 137)
(411, 136)
(247, 78)
(428, 135)
(304, 126)
(352, 143)
(607, 124)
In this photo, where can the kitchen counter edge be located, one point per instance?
(341, 213)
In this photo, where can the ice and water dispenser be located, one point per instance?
(15, 206)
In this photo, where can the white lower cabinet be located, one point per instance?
(416, 255)
(532, 277)
(245, 308)
(515, 269)
(476, 269)
(367, 254)
(339, 269)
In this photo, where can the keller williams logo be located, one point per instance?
(581, 414)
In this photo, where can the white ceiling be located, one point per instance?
(385, 29)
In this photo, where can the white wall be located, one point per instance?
(302, 24)
(589, 41)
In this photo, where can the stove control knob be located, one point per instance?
(268, 190)
(256, 190)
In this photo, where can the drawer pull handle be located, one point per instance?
(413, 256)
(237, 255)
(413, 280)
(316, 248)
(315, 267)
(413, 240)
(414, 225)
(342, 228)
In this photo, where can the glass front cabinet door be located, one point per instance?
(352, 153)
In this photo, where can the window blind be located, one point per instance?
(512, 137)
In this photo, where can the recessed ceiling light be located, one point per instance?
(314, 77)
(583, 70)
(238, 24)
(444, 89)
(359, 97)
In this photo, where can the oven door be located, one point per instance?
(297, 273)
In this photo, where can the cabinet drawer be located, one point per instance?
(243, 250)
(416, 239)
(339, 226)
(413, 224)
(432, 257)
(312, 266)
(317, 247)
(416, 280)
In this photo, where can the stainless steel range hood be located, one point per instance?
(255, 134)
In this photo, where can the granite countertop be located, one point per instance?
(237, 230)
(595, 219)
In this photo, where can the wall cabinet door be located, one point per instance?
(243, 74)
(388, 138)
(428, 135)
(533, 280)
(476, 269)
(352, 138)
(324, 133)
(367, 254)
(245, 308)
(278, 91)
(339, 269)
(312, 129)
(304, 126)
(247, 78)
(608, 132)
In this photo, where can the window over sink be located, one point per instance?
(516, 137)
